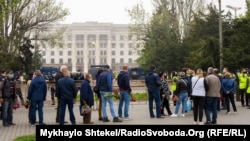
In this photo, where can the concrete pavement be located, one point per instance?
(138, 112)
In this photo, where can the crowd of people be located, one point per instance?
(209, 91)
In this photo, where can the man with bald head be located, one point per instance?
(59, 75)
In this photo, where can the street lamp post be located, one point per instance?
(220, 37)
(235, 10)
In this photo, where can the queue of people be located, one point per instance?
(209, 91)
(206, 89)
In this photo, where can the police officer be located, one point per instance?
(242, 79)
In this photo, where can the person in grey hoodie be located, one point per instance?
(37, 95)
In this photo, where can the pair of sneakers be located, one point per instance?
(116, 119)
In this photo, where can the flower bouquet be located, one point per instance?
(16, 106)
(133, 99)
(27, 104)
(116, 91)
(107, 95)
(111, 95)
(86, 109)
(116, 94)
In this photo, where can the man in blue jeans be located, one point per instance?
(37, 95)
(153, 84)
(106, 86)
(123, 82)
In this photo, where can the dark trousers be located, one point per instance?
(243, 97)
(58, 110)
(154, 95)
(211, 107)
(70, 104)
(230, 98)
(165, 104)
(20, 95)
(52, 91)
(198, 107)
(1, 113)
(36, 105)
(29, 114)
(7, 111)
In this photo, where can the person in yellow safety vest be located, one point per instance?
(173, 84)
(242, 86)
(248, 89)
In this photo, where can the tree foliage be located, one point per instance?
(164, 33)
(23, 20)
(176, 37)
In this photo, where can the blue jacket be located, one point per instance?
(38, 89)
(86, 93)
(105, 82)
(228, 84)
(66, 88)
(153, 81)
(123, 81)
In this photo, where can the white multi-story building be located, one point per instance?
(93, 43)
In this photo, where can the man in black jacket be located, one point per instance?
(7, 96)
(123, 82)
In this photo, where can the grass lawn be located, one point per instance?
(26, 138)
(137, 96)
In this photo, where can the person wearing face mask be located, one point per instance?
(7, 97)
(87, 97)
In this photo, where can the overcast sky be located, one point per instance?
(113, 11)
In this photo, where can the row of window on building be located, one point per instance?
(101, 45)
(92, 52)
(102, 37)
(91, 61)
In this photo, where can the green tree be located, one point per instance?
(21, 19)
(163, 34)
(236, 48)
(203, 42)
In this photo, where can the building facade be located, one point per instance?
(93, 43)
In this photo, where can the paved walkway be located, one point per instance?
(138, 111)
